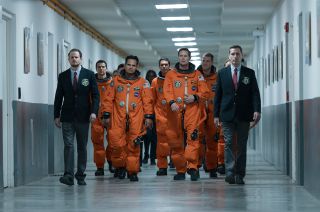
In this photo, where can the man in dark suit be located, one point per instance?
(237, 103)
(76, 103)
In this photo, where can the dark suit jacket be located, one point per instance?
(240, 104)
(71, 106)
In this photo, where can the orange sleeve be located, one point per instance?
(147, 99)
(108, 99)
(203, 90)
(168, 87)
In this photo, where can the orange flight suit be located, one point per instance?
(177, 84)
(97, 128)
(208, 127)
(161, 109)
(129, 102)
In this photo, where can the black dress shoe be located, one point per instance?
(67, 180)
(162, 172)
(80, 178)
(194, 174)
(179, 176)
(213, 174)
(221, 169)
(134, 178)
(239, 180)
(99, 172)
(81, 182)
(230, 179)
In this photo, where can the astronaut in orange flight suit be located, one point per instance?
(128, 110)
(100, 153)
(161, 109)
(183, 89)
(208, 128)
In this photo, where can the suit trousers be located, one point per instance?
(235, 161)
(81, 130)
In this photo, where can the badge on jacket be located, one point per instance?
(119, 88)
(85, 82)
(246, 80)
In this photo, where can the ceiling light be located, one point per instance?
(191, 49)
(178, 18)
(195, 53)
(183, 39)
(195, 58)
(186, 44)
(171, 6)
(179, 29)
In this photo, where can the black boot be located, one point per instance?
(213, 173)
(179, 176)
(134, 177)
(171, 165)
(162, 172)
(99, 172)
(116, 173)
(122, 173)
(111, 169)
(194, 174)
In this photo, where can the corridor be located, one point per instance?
(266, 189)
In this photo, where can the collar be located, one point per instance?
(188, 71)
(124, 75)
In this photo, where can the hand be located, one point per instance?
(188, 99)
(93, 117)
(216, 121)
(175, 107)
(106, 123)
(148, 123)
(57, 122)
(256, 119)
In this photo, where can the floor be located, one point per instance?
(266, 189)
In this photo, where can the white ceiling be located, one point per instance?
(136, 26)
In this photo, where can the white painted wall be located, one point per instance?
(288, 11)
(40, 18)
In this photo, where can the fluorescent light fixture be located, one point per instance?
(195, 58)
(191, 49)
(186, 44)
(195, 54)
(178, 18)
(179, 29)
(171, 6)
(183, 39)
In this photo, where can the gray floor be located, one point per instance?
(266, 189)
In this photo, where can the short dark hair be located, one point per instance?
(101, 61)
(185, 49)
(121, 65)
(132, 57)
(165, 59)
(235, 47)
(208, 54)
(75, 50)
